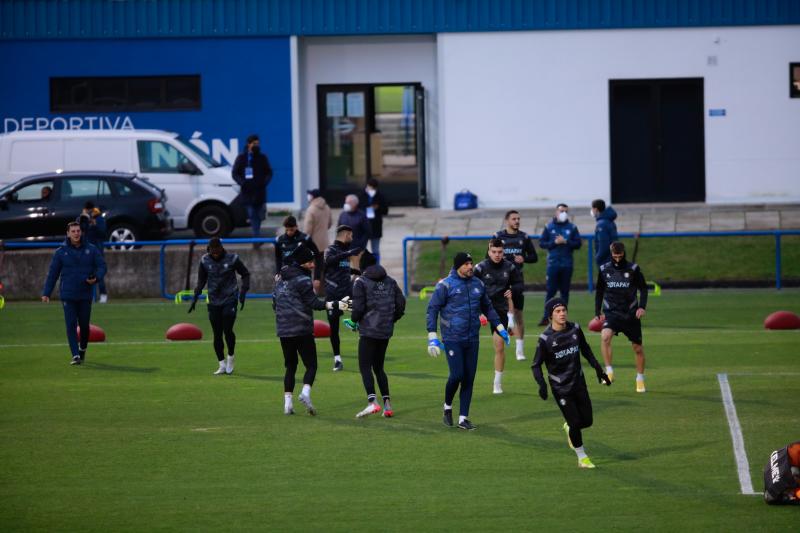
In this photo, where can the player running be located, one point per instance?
(339, 283)
(559, 349)
(617, 284)
(377, 304)
(518, 249)
(460, 299)
(503, 282)
(294, 303)
(218, 268)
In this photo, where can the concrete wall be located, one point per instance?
(377, 59)
(131, 274)
(524, 115)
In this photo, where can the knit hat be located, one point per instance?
(367, 260)
(460, 259)
(343, 227)
(551, 304)
(302, 254)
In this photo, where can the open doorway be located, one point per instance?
(372, 131)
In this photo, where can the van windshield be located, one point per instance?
(199, 153)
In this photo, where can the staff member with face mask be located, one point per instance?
(356, 219)
(560, 238)
(252, 172)
(375, 207)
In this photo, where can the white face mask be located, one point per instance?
(346, 207)
(592, 213)
(370, 191)
(563, 216)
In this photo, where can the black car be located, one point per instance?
(39, 207)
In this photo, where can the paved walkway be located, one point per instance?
(656, 218)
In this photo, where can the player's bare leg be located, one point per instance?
(605, 347)
(519, 333)
(638, 350)
(499, 362)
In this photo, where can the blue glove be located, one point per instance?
(504, 334)
(435, 346)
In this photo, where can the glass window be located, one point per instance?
(145, 93)
(794, 79)
(79, 188)
(103, 189)
(125, 190)
(35, 192)
(157, 156)
(124, 93)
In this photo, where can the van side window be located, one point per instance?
(159, 157)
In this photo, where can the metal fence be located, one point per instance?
(162, 254)
(777, 234)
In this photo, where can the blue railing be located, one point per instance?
(590, 247)
(161, 257)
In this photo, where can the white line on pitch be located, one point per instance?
(742, 466)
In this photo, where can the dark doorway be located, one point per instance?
(657, 140)
(372, 130)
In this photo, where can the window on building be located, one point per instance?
(120, 93)
(794, 79)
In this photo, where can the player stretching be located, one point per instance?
(617, 284)
(377, 304)
(559, 349)
(519, 249)
(503, 282)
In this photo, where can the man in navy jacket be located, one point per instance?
(457, 304)
(605, 231)
(560, 238)
(79, 265)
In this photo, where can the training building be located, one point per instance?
(523, 102)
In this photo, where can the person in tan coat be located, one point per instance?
(317, 223)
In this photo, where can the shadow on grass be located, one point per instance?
(258, 378)
(416, 375)
(120, 368)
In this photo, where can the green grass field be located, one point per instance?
(143, 438)
(662, 259)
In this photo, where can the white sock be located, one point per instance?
(307, 391)
(639, 377)
(461, 418)
(448, 407)
(580, 452)
(287, 399)
(337, 358)
(609, 369)
(222, 363)
(520, 346)
(498, 377)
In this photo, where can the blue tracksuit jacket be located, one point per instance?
(74, 266)
(605, 232)
(458, 303)
(560, 255)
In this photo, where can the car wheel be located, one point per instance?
(211, 221)
(122, 234)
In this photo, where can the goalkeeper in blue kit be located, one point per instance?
(559, 349)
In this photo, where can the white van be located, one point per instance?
(201, 192)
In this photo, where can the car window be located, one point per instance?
(157, 156)
(33, 192)
(104, 190)
(125, 190)
(79, 188)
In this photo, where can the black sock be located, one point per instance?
(371, 398)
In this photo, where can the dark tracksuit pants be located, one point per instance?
(463, 363)
(305, 347)
(371, 356)
(77, 314)
(333, 321)
(222, 318)
(577, 411)
(558, 280)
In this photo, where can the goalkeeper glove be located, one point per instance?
(341, 305)
(602, 377)
(504, 334)
(435, 346)
(543, 391)
(194, 304)
(241, 301)
(349, 324)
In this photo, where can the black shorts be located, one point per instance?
(519, 301)
(503, 316)
(630, 326)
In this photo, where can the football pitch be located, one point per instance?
(144, 438)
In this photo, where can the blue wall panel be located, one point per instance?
(48, 19)
(245, 84)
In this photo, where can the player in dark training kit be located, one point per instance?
(377, 304)
(339, 283)
(518, 249)
(503, 280)
(559, 349)
(288, 242)
(617, 284)
(218, 268)
(782, 476)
